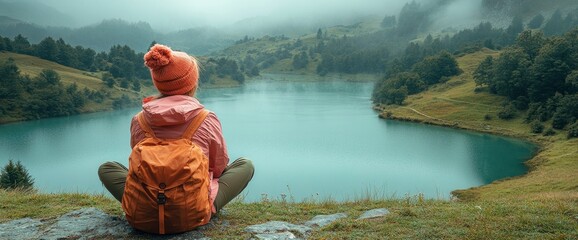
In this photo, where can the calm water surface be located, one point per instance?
(308, 140)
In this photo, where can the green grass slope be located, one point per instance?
(32, 66)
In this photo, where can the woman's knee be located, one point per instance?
(105, 168)
(246, 165)
(108, 168)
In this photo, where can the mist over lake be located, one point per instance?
(308, 140)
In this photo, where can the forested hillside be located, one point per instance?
(536, 70)
(392, 44)
(52, 78)
(32, 88)
(124, 65)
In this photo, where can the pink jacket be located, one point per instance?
(170, 116)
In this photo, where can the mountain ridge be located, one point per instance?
(35, 12)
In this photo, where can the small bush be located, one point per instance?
(549, 132)
(537, 127)
(560, 120)
(487, 117)
(15, 176)
(508, 112)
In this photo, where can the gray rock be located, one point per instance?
(278, 227)
(271, 236)
(26, 228)
(87, 223)
(324, 220)
(375, 213)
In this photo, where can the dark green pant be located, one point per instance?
(234, 179)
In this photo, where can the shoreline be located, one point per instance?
(455, 104)
(528, 163)
(456, 125)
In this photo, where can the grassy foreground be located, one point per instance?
(542, 204)
(410, 218)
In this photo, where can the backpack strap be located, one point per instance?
(144, 125)
(195, 124)
(161, 200)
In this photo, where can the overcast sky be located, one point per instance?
(180, 13)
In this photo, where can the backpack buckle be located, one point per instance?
(161, 199)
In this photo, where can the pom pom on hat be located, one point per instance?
(158, 56)
(172, 72)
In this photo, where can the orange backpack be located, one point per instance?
(167, 187)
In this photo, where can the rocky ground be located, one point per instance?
(92, 223)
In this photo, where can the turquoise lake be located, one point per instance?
(307, 140)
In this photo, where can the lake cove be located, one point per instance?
(307, 140)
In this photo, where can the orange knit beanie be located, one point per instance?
(173, 72)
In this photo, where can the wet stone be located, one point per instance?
(374, 213)
(324, 220)
(273, 227)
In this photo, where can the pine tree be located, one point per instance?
(483, 75)
(15, 176)
(47, 49)
(531, 42)
(21, 45)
